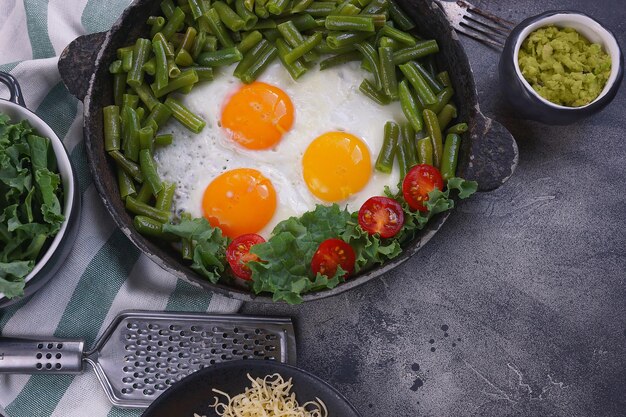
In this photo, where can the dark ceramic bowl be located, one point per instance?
(60, 246)
(488, 152)
(525, 99)
(193, 394)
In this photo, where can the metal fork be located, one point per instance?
(476, 23)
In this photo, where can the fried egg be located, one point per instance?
(277, 147)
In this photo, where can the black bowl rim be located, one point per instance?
(509, 52)
(190, 379)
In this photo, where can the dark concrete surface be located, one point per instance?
(517, 307)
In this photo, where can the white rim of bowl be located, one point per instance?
(587, 27)
(18, 113)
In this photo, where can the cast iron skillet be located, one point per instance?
(193, 394)
(488, 153)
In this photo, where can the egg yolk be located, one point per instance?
(258, 115)
(336, 165)
(239, 201)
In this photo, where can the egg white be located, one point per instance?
(323, 101)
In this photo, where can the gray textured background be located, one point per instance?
(529, 280)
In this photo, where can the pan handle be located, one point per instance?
(14, 88)
(493, 155)
(50, 356)
(77, 62)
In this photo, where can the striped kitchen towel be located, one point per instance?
(104, 273)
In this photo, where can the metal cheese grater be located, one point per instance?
(142, 353)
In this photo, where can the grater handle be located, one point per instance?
(31, 356)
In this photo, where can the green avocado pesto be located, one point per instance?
(563, 67)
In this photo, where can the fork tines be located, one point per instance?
(478, 24)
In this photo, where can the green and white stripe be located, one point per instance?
(104, 274)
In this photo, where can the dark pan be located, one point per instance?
(488, 155)
(194, 394)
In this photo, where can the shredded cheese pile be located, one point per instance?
(267, 397)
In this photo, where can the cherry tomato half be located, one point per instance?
(420, 181)
(330, 254)
(238, 254)
(381, 215)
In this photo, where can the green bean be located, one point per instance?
(210, 44)
(402, 156)
(145, 94)
(303, 48)
(189, 39)
(174, 23)
(130, 133)
(340, 59)
(229, 18)
(379, 19)
(249, 4)
(371, 57)
(169, 51)
(119, 88)
(267, 55)
(130, 100)
(350, 23)
(444, 79)
(248, 16)
(115, 67)
(146, 138)
(167, 7)
(149, 171)
(370, 91)
(450, 156)
(433, 130)
(430, 65)
(425, 151)
(265, 24)
(376, 7)
(160, 114)
(185, 79)
(249, 41)
(338, 40)
(302, 22)
(324, 48)
(398, 35)
(446, 115)
(261, 11)
(388, 72)
(250, 57)
(127, 165)
(183, 58)
(363, 3)
(346, 9)
(161, 76)
(165, 197)
(164, 140)
(157, 23)
(112, 128)
(301, 5)
(320, 8)
(410, 106)
(390, 43)
(419, 84)
(458, 129)
(408, 142)
(295, 69)
(384, 162)
(184, 115)
(172, 69)
(443, 98)
(140, 56)
(204, 73)
(145, 193)
(127, 60)
(271, 34)
(293, 37)
(198, 45)
(222, 57)
(421, 49)
(218, 29)
(125, 184)
(121, 51)
(400, 18)
(150, 227)
(150, 66)
(141, 112)
(277, 7)
(137, 207)
(430, 80)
